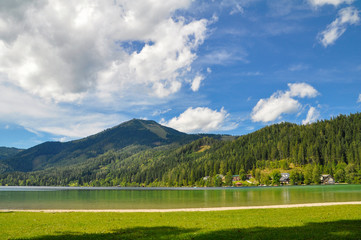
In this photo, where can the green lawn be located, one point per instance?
(331, 222)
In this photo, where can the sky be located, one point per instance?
(70, 69)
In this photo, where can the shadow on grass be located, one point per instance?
(345, 229)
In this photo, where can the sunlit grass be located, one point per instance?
(331, 222)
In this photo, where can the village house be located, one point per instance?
(285, 178)
(235, 178)
(206, 178)
(327, 179)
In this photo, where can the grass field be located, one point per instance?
(331, 222)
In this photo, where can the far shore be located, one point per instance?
(184, 209)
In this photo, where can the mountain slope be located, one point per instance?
(133, 132)
(6, 152)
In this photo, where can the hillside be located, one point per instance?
(134, 132)
(329, 147)
(6, 152)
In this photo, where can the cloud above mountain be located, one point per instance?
(200, 119)
(282, 102)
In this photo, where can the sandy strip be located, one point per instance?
(184, 209)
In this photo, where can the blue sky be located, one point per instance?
(69, 69)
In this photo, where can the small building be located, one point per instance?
(206, 178)
(235, 178)
(285, 178)
(327, 179)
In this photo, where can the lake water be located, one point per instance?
(163, 198)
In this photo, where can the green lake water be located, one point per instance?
(163, 198)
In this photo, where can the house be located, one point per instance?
(327, 179)
(206, 178)
(235, 178)
(285, 178)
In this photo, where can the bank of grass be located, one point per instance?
(331, 222)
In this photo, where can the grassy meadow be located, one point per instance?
(330, 222)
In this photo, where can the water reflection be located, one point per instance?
(145, 198)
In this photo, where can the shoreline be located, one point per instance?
(182, 209)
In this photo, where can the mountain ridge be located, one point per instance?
(133, 132)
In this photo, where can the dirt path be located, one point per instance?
(184, 209)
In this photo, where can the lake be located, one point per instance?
(166, 198)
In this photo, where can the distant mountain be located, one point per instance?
(134, 132)
(6, 152)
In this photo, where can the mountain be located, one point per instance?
(6, 152)
(134, 132)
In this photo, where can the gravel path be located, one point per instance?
(183, 209)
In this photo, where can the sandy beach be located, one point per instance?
(183, 209)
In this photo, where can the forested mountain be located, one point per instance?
(133, 132)
(6, 152)
(306, 151)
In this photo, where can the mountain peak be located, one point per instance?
(133, 132)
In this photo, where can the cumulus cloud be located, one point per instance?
(359, 98)
(312, 116)
(346, 16)
(282, 102)
(65, 50)
(67, 66)
(317, 3)
(302, 90)
(200, 119)
(270, 109)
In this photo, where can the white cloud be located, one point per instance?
(37, 115)
(317, 3)
(312, 116)
(224, 57)
(268, 110)
(359, 98)
(200, 119)
(67, 66)
(196, 83)
(160, 112)
(67, 50)
(302, 90)
(346, 16)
